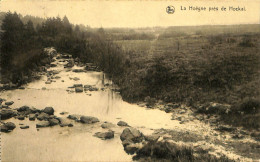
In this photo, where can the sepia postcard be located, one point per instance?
(129, 80)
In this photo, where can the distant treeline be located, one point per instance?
(132, 36)
(22, 41)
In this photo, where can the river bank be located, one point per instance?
(74, 90)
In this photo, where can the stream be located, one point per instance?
(77, 143)
(74, 143)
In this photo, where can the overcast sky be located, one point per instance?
(122, 13)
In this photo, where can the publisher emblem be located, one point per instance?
(170, 9)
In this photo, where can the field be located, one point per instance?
(194, 65)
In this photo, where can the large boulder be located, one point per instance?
(105, 135)
(88, 119)
(6, 114)
(49, 110)
(131, 134)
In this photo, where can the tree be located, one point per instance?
(66, 25)
(12, 38)
(29, 29)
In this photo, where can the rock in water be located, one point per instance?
(131, 134)
(9, 103)
(24, 127)
(43, 124)
(78, 89)
(122, 123)
(43, 116)
(49, 110)
(7, 127)
(78, 70)
(77, 85)
(105, 135)
(21, 117)
(64, 122)
(32, 117)
(132, 148)
(107, 125)
(23, 108)
(6, 114)
(54, 122)
(88, 119)
(74, 117)
(10, 125)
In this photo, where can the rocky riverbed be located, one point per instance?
(74, 113)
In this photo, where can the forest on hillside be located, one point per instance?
(24, 38)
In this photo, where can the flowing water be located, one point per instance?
(74, 143)
(77, 143)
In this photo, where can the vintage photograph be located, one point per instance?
(129, 80)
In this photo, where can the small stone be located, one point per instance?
(43, 116)
(63, 113)
(24, 127)
(54, 122)
(20, 117)
(88, 119)
(9, 103)
(107, 125)
(43, 124)
(32, 117)
(78, 89)
(122, 123)
(74, 117)
(105, 135)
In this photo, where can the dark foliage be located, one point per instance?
(165, 151)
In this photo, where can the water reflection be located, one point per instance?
(50, 144)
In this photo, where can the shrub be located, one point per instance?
(246, 42)
(250, 106)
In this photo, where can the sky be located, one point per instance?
(145, 13)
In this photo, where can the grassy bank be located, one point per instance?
(196, 68)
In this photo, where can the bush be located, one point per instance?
(246, 42)
(250, 106)
(166, 151)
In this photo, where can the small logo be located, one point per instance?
(170, 9)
